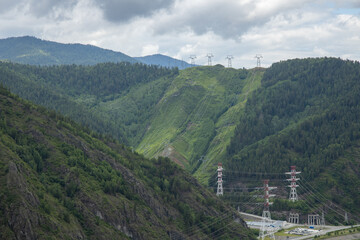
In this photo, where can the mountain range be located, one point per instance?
(257, 122)
(31, 50)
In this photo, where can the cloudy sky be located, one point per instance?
(277, 29)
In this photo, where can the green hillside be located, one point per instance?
(258, 122)
(111, 98)
(61, 181)
(195, 119)
(306, 113)
(188, 116)
(31, 50)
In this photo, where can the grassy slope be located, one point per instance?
(189, 117)
(196, 117)
(225, 127)
(61, 182)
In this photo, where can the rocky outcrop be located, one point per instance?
(22, 218)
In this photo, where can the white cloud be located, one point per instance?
(150, 49)
(279, 29)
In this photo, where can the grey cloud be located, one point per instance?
(356, 4)
(6, 5)
(42, 8)
(229, 20)
(226, 20)
(349, 3)
(38, 8)
(124, 10)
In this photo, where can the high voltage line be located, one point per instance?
(304, 185)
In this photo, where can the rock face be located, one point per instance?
(59, 181)
(21, 216)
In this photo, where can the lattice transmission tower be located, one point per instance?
(220, 191)
(293, 179)
(192, 59)
(209, 56)
(266, 229)
(258, 60)
(229, 57)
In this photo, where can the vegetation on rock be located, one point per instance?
(62, 181)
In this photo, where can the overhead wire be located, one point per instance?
(321, 198)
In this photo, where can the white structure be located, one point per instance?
(192, 57)
(346, 218)
(293, 194)
(220, 190)
(314, 219)
(229, 57)
(209, 56)
(258, 60)
(294, 218)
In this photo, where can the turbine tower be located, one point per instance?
(258, 60)
(210, 56)
(229, 57)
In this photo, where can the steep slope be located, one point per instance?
(192, 112)
(164, 61)
(31, 50)
(306, 113)
(195, 119)
(59, 181)
(114, 99)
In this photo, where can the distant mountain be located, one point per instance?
(31, 50)
(164, 61)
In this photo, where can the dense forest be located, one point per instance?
(62, 181)
(306, 114)
(193, 111)
(111, 98)
(258, 122)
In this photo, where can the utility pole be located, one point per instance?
(258, 60)
(266, 230)
(293, 194)
(229, 57)
(220, 191)
(209, 56)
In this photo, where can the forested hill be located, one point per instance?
(306, 113)
(258, 122)
(111, 98)
(61, 181)
(31, 50)
(187, 115)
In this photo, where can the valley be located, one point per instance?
(62, 181)
(256, 122)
